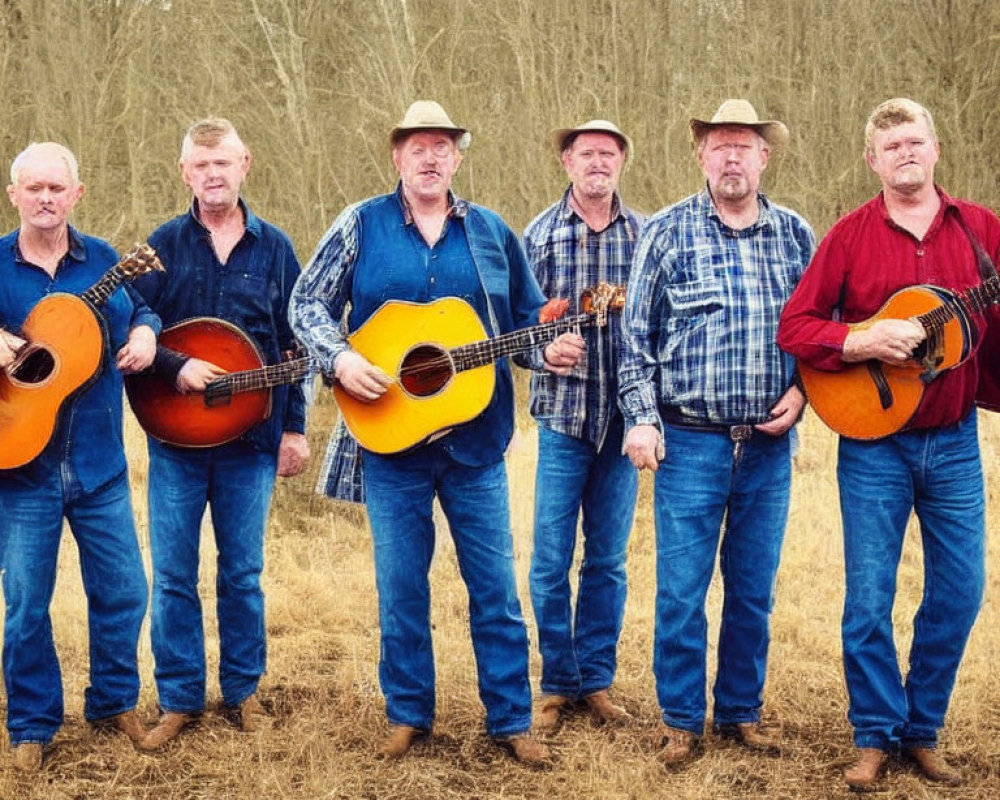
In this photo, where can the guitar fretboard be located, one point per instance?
(264, 378)
(974, 300)
(487, 351)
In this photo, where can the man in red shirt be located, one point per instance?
(911, 233)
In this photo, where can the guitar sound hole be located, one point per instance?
(34, 367)
(425, 370)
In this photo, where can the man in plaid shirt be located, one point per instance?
(583, 240)
(709, 403)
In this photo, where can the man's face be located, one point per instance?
(45, 192)
(216, 174)
(426, 161)
(732, 160)
(594, 164)
(904, 156)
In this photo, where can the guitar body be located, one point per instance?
(63, 358)
(873, 399)
(186, 420)
(428, 397)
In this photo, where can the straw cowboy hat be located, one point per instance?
(561, 137)
(426, 115)
(740, 112)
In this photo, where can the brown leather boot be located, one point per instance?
(128, 722)
(934, 766)
(676, 746)
(754, 735)
(550, 711)
(529, 751)
(602, 710)
(170, 724)
(399, 741)
(865, 772)
(251, 715)
(28, 757)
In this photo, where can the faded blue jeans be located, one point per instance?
(938, 474)
(399, 493)
(114, 581)
(236, 482)
(580, 650)
(696, 488)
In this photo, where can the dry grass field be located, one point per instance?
(328, 715)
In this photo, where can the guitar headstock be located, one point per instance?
(601, 299)
(139, 261)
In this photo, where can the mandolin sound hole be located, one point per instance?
(425, 370)
(34, 367)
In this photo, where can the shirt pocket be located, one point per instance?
(693, 303)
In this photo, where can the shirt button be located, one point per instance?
(920, 252)
(433, 279)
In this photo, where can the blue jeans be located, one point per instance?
(938, 474)
(114, 581)
(579, 652)
(236, 482)
(399, 495)
(696, 489)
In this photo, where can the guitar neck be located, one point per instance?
(477, 354)
(264, 378)
(105, 287)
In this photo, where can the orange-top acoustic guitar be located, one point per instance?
(442, 364)
(230, 405)
(873, 399)
(62, 350)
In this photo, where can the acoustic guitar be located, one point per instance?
(230, 405)
(873, 399)
(63, 344)
(442, 365)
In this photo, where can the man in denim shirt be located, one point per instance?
(418, 244)
(80, 475)
(221, 261)
(703, 378)
(584, 239)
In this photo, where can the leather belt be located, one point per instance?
(739, 435)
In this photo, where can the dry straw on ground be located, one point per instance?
(328, 715)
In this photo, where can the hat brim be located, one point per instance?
(773, 132)
(560, 138)
(398, 133)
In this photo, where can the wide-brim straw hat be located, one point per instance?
(427, 115)
(741, 112)
(561, 136)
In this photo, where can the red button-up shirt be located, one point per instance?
(862, 261)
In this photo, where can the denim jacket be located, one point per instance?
(324, 292)
(251, 290)
(87, 441)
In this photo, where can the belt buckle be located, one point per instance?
(740, 433)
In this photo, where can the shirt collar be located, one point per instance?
(457, 207)
(566, 210)
(947, 203)
(250, 220)
(764, 219)
(76, 250)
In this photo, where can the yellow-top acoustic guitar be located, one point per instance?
(442, 363)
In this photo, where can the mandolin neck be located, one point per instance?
(267, 377)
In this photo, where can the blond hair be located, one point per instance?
(898, 111)
(61, 152)
(209, 132)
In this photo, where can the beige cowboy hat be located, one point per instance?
(427, 115)
(741, 112)
(561, 136)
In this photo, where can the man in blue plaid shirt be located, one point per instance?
(710, 403)
(580, 242)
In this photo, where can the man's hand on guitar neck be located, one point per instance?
(359, 377)
(564, 353)
(888, 340)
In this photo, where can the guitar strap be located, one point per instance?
(987, 269)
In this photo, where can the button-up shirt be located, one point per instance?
(567, 257)
(87, 442)
(251, 290)
(865, 258)
(374, 253)
(702, 313)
